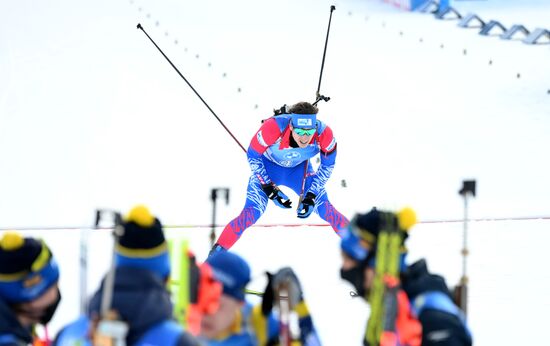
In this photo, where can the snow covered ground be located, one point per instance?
(91, 115)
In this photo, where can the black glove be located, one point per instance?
(277, 196)
(269, 295)
(306, 206)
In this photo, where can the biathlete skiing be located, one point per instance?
(279, 154)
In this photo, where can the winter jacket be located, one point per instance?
(443, 323)
(12, 333)
(252, 328)
(141, 300)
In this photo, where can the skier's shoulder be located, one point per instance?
(74, 333)
(417, 279)
(275, 123)
(167, 332)
(322, 127)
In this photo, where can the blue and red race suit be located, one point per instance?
(272, 159)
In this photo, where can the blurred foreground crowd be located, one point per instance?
(134, 305)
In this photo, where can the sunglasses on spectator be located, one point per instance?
(306, 132)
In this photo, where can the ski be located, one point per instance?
(383, 294)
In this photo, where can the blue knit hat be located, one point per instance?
(27, 268)
(303, 121)
(232, 271)
(143, 244)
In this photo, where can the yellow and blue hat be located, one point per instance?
(359, 238)
(27, 268)
(143, 244)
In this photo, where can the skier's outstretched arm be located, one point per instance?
(267, 135)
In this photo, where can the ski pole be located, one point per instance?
(108, 288)
(318, 96)
(213, 198)
(195, 91)
(84, 271)
(303, 185)
(468, 189)
(110, 329)
(260, 294)
(285, 310)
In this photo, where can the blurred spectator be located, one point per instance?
(238, 322)
(141, 309)
(29, 291)
(422, 297)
